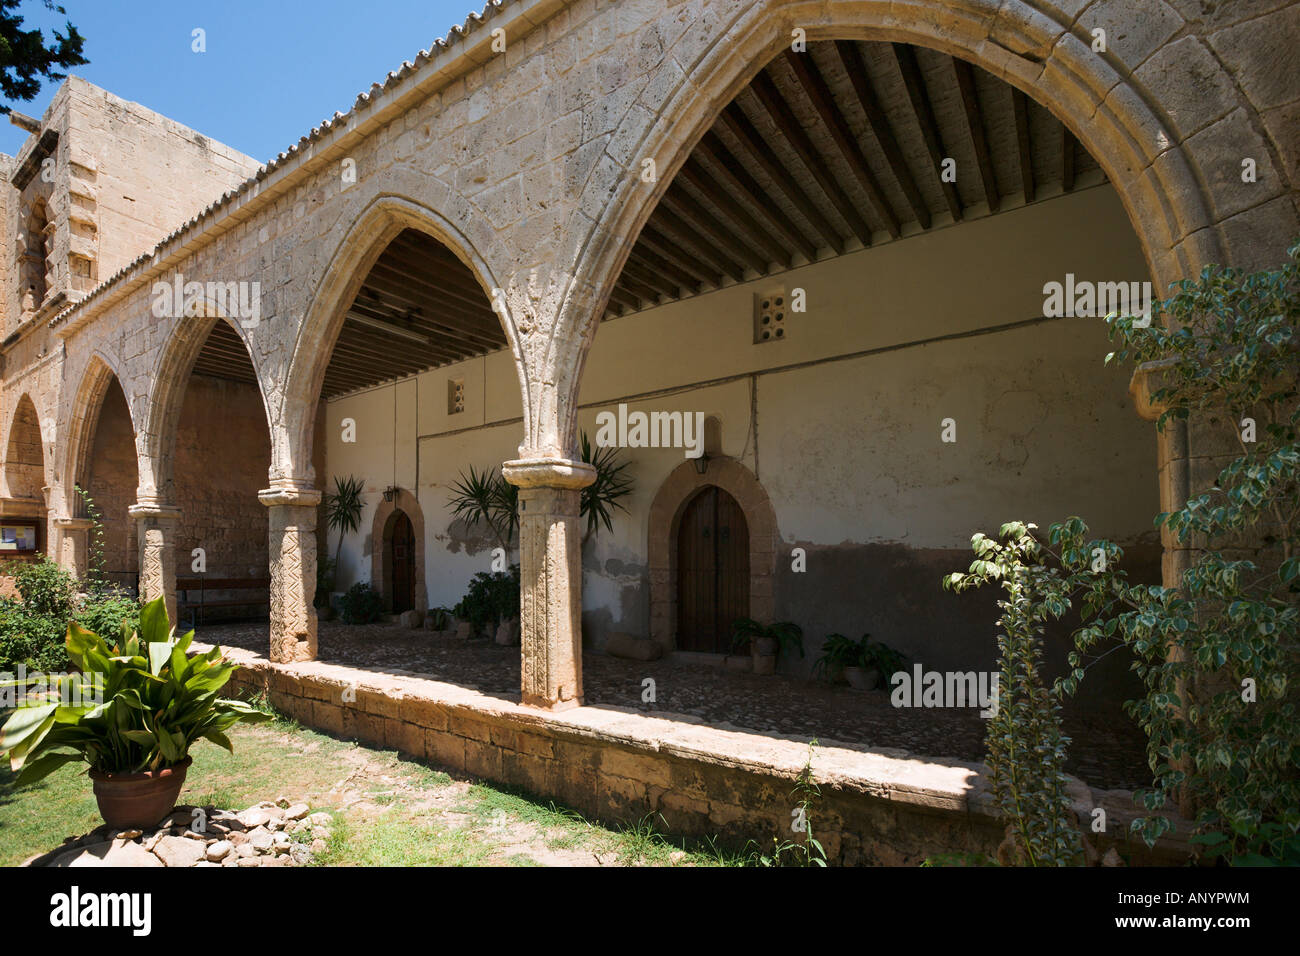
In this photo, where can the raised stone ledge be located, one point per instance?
(881, 806)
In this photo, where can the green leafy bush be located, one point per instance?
(361, 604)
(491, 599)
(33, 627)
(1025, 745)
(136, 705)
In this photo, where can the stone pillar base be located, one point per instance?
(550, 570)
(292, 550)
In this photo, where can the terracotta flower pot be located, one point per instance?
(138, 800)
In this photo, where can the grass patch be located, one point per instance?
(387, 810)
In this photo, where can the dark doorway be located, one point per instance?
(401, 558)
(712, 571)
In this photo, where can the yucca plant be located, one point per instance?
(343, 509)
(486, 498)
(605, 494)
(137, 705)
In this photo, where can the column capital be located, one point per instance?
(73, 524)
(548, 473)
(154, 509)
(292, 493)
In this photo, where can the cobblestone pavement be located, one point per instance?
(1107, 751)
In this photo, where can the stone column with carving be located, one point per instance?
(74, 545)
(292, 550)
(156, 525)
(550, 571)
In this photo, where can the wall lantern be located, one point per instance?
(390, 493)
(701, 463)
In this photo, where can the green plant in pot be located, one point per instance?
(766, 641)
(863, 663)
(132, 712)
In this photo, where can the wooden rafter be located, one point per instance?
(735, 120)
(923, 112)
(787, 125)
(965, 76)
(819, 94)
(713, 149)
(855, 68)
(1024, 149)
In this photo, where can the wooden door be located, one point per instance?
(712, 571)
(401, 558)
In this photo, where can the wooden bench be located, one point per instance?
(207, 587)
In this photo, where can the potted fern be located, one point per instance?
(766, 641)
(132, 712)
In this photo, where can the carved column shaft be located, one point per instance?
(550, 570)
(292, 550)
(156, 536)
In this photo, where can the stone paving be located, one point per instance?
(1107, 752)
(273, 833)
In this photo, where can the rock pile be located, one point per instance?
(268, 834)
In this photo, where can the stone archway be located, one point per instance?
(381, 531)
(670, 502)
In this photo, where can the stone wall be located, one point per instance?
(110, 480)
(24, 464)
(222, 453)
(616, 765)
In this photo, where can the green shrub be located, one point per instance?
(106, 611)
(491, 599)
(1026, 748)
(361, 604)
(33, 627)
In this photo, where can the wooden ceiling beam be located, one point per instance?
(1024, 148)
(656, 281)
(855, 67)
(624, 298)
(713, 149)
(724, 239)
(965, 77)
(740, 126)
(923, 112)
(644, 291)
(656, 241)
(695, 174)
(1067, 158)
(683, 234)
(787, 124)
(651, 260)
(435, 337)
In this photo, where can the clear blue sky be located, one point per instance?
(273, 68)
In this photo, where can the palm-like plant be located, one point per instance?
(603, 496)
(343, 509)
(485, 497)
(132, 706)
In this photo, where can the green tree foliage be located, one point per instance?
(25, 57)
(1026, 746)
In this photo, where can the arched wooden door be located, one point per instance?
(712, 571)
(401, 558)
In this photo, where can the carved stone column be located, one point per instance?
(292, 553)
(550, 569)
(74, 545)
(156, 534)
